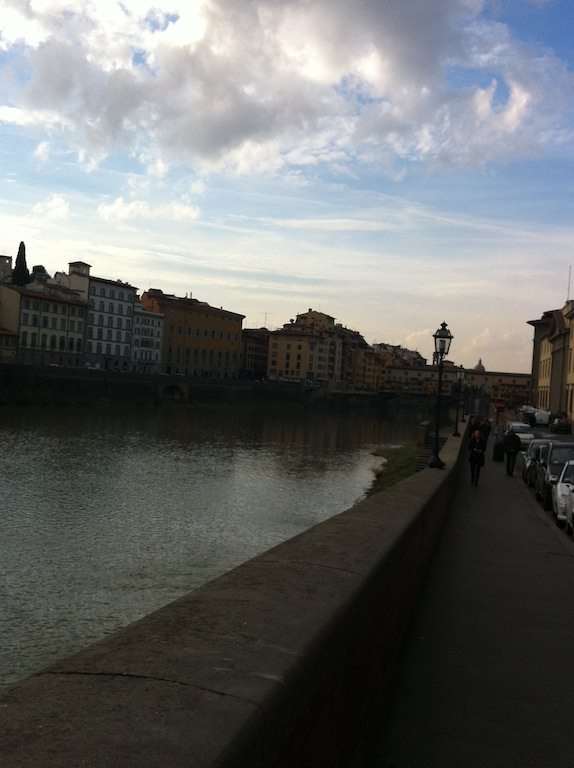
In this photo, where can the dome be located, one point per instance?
(479, 366)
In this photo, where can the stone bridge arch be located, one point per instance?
(173, 391)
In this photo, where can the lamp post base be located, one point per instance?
(436, 462)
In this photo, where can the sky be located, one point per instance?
(392, 163)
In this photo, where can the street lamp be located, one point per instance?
(442, 339)
(459, 380)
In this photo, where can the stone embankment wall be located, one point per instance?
(277, 663)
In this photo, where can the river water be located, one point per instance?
(108, 514)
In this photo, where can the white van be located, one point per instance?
(542, 418)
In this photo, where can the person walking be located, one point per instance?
(476, 450)
(485, 428)
(512, 445)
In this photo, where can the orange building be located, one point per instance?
(199, 341)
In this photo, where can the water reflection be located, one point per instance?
(107, 514)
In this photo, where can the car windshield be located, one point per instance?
(521, 428)
(568, 476)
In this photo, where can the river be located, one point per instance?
(109, 513)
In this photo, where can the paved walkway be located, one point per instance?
(487, 678)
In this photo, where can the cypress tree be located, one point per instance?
(21, 273)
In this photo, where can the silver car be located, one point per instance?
(562, 492)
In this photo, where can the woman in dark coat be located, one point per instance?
(476, 450)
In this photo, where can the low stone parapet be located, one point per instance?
(276, 663)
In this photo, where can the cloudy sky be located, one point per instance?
(393, 163)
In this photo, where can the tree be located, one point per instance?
(20, 273)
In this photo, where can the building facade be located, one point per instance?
(147, 340)
(254, 353)
(110, 316)
(49, 321)
(552, 360)
(199, 341)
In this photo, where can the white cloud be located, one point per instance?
(267, 85)
(43, 151)
(56, 208)
(122, 211)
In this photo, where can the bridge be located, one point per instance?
(429, 626)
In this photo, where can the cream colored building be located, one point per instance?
(552, 360)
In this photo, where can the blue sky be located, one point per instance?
(393, 163)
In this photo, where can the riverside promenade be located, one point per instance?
(487, 673)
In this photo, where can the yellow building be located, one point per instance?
(199, 341)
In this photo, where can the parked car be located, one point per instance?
(561, 491)
(526, 462)
(569, 522)
(549, 467)
(561, 425)
(524, 432)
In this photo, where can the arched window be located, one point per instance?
(62, 345)
(53, 342)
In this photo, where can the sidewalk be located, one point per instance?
(487, 678)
